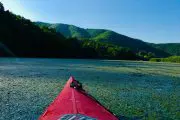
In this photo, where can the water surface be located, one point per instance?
(131, 90)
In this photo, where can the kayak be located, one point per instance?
(74, 103)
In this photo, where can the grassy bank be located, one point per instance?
(175, 59)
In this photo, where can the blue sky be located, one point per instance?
(156, 21)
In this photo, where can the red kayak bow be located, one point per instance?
(76, 104)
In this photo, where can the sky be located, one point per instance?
(155, 21)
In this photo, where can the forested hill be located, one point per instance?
(20, 37)
(171, 48)
(23, 38)
(106, 36)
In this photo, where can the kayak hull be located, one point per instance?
(74, 103)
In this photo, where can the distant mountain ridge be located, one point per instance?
(106, 36)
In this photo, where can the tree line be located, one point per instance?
(175, 59)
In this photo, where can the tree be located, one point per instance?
(1, 7)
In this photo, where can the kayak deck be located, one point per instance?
(73, 104)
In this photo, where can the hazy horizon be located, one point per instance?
(150, 21)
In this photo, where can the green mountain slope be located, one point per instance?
(95, 32)
(105, 36)
(67, 30)
(171, 48)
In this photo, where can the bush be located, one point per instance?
(175, 59)
(155, 60)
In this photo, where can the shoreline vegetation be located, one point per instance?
(174, 59)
